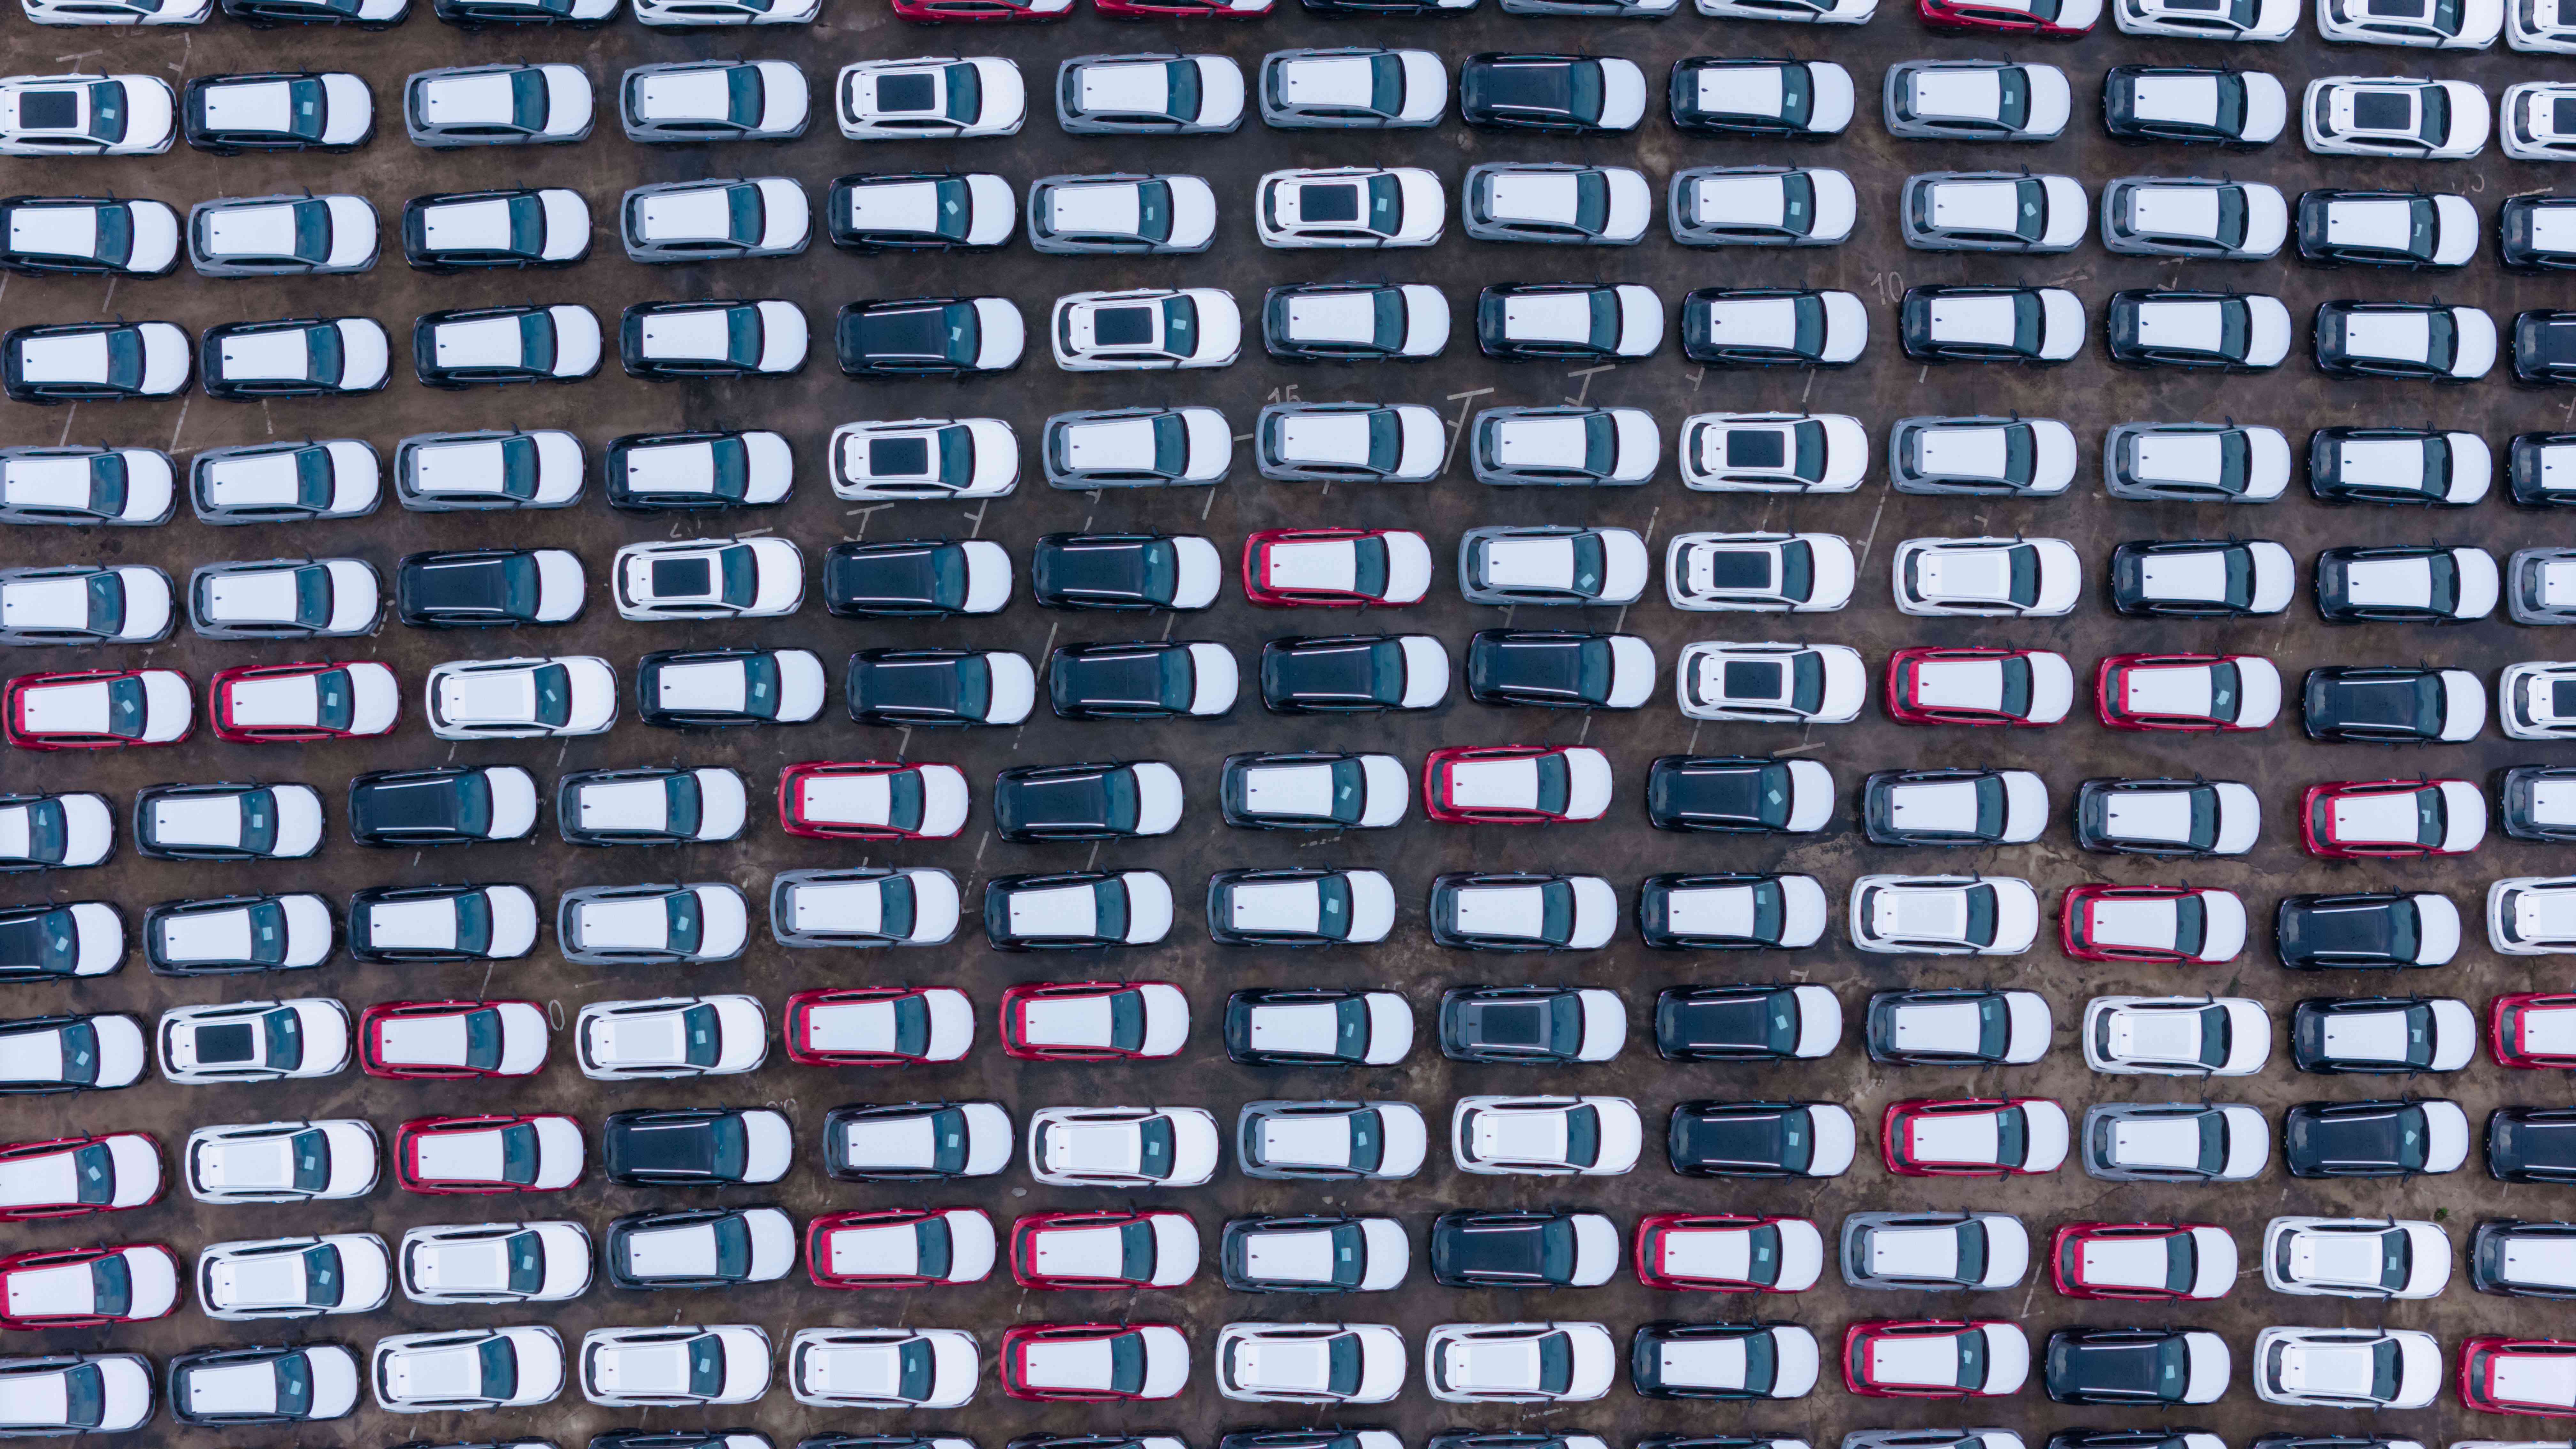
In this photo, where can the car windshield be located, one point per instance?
(2012, 96)
(1994, 1026)
(499, 1367)
(294, 1386)
(1583, 90)
(1591, 202)
(111, 1284)
(1972, 1349)
(283, 1035)
(1556, 1363)
(1386, 319)
(1342, 1365)
(267, 922)
(313, 479)
(1582, 1135)
(915, 1363)
(536, 342)
(527, 224)
(1367, 1140)
(1109, 918)
(322, 1278)
(728, 1147)
(1181, 90)
(519, 1154)
(84, 1396)
(1555, 784)
(309, 1157)
(1602, 308)
(2191, 923)
(107, 470)
(2213, 1143)
(1127, 1364)
(106, 603)
(2432, 114)
(2204, 818)
(1797, 94)
(552, 684)
(313, 597)
(312, 231)
(107, 111)
(524, 1256)
(94, 1174)
(2383, 1370)
(124, 358)
(706, 1366)
(1990, 806)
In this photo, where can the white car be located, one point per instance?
(1518, 1363)
(1716, 206)
(1980, 1252)
(1984, 456)
(1556, 203)
(262, 236)
(2527, 118)
(2260, 20)
(2430, 120)
(1562, 320)
(475, 1368)
(1944, 915)
(1139, 447)
(1800, 573)
(1109, 1146)
(76, 604)
(924, 458)
(330, 598)
(671, 1036)
(253, 1041)
(692, 102)
(1350, 206)
(863, 906)
(716, 220)
(540, 1262)
(73, 1177)
(684, 1365)
(281, 1161)
(294, 1277)
(1987, 577)
(2196, 462)
(1046, 912)
(2536, 700)
(2386, 1034)
(2532, 915)
(1309, 1363)
(233, 932)
(883, 1368)
(2347, 1368)
(67, 831)
(1545, 1136)
(78, 486)
(100, 359)
(1773, 452)
(1770, 683)
(1518, 784)
(2373, 1258)
(930, 97)
(2176, 1036)
(715, 578)
(1149, 328)
(542, 697)
(507, 104)
(2544, 27)
(1564, 446)
(2423, 24)
(123, 12)
(441, 472)
(87, 115)
(1356, 320)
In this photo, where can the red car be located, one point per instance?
(878, 1026)
(1893, 1358)
(70, 1177)
(1094, 1363)
(1094, 1021)
(2172, 925)
(2020, 687)
(1334, 568)
(2533, 1029)
(501, 1152)
(941, 12)
(2142, 1262)
(2367, 819)
(1516, 784)
(85, 1287)
(899, 1248)
(2529, 1376)
(1182, 9)
(98, 709)
(1973, 1137)
(871, 800)
(452, 1040)
(255, 704)
(1729, 1252)
(1109, 1250)
(2052, 19)
(2187, 692)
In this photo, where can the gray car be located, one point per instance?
(863, 906)
(650, 925)
(691, 102)
(1551, 564)
(511, 104)
(285, 482)
(1604, 9)
(725, 219)
(1925, 1439)
(1975, 100)
(1978, 1252)
(2175, 1142)
(282, 236)
(1121, 212)
(77, 484)
(1993, 211)
(1329, 1141)
(2194, 216)
(1563, 447)
(1760, 206)
(494, 469)
(2196, 462)
(80, 605)
(1183, 447)
(1349, 442)
(1149, 95)
(1352, 88)
(2540, 585)
(285, 598)
(1559, 202)
(1995, 457)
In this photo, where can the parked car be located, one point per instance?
(334, 1158)
(1761, 96)
(1759, 1139)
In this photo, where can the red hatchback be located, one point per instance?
(1894, 1358)
(1094, 1363)
(452, 1040)
(98, 709)
(878, 1026)
(1182, 9)
(1516, 784)
(1094, 1021)
(501, 1152)
(2535, 1377)
(2018, 687)
(2187, 692)
(2168, 925)
(1973, 1137)
(2051, 19)
(1109, 1250)
(255, 704)
(899, 1248)
(2142, 1262)
(871, 800)
(85, 1287)
(944, 12)
(71, 1177)
(1336, 568)
(1728, 1252)
(2373, 819)
(2533, 1029)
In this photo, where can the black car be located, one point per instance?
(1523, 1025)
(531, 360)
(406, 809)
(1516, 1249)
(1339, 785)
(2224, 127)
(43, 942)
(263, 948)
(467, 905)
(744, 331)
(681, 1439)
(2132, 595)
(269, 14)
(2544, 348)
(1140, 679)
(1737, 794)
(1559, 911)
(729, 1234)
(1346, 1241)
(1565, 93)
(2531, 478)
(945, 1125)
(1994, 1021)
(2201, 831)
(2372, 1138)
(304, 119)
(1809, 343)
(1387, 316)
(106, 247)
(1331, 907)
(2519, 795)
(521, 243)
(683, 806)
(253, 806)
(325, 361)
(2532, 1144)
(1111, 571)
(1333, 674)
(2333, 479)
(484, 588)
(2028, 343)
(1792, 81)
(2522, 1259)
(2411, 247)
(1544, 668)
(2517, 223)
(1749, 1023)
(903, 688)
(953, 207)
(1352, 1027)
(2134, 1439)
(908, 337)
(2334, 585)
(1656, 1372)
(2322, 1441)
(932, 1441)
(290, 1403)
(1034, 803)
(2375, 704)
(1764, 925)
(1281, 1438)
(1600, 344)
(2313, 1051)
(2230, 350)
(124, 373)
(913, 578)
(2331, 334)
(761, 695)
(2363, 931)
(726, 483)
(677, 1146)
(1992, 823)
(2119, 1366)
(1742, 1139)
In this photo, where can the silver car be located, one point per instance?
(1149, 95)
(1978, 1252)
(282, 236)
(2540, 586)
(1552, 564)
(1605, 206)
(1121, 212)
(1760, 206)
(1137, 448)
(717, 220)
(489, 470)
(2175, 1142)
(1559, 447)
(691, 102)
(2164, 216)
(2011, 456)
(1349, 442)
(1975, 100)
(285, 598)
(285, 482)
(2196, 462)
(77, 485)
(511, 104)
(1353, 88)
(1993, 211)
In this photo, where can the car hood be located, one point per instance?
(2267, 105)
(1834, 1137)
(1426, 683)
(2223, 925)
(1829, 105)
(1426, 320)
(2477, 343)
(2240, 818)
